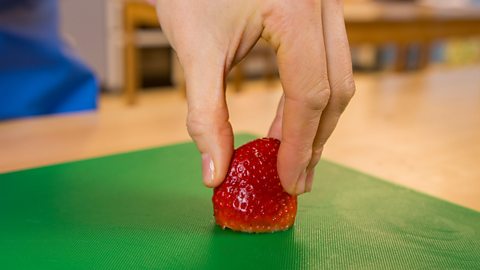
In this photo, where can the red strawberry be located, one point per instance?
(251, 198)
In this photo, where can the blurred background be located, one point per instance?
(402, 35)
(83, 78)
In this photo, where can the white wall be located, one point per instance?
(83, 26)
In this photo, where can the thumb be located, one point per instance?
(207, 119)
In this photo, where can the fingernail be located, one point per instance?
(208, 169)
(300, 188)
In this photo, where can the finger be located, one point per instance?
(303, 72)
(342, 86)
(207, 119)
(276, 127)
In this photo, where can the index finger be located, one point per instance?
(303, 73)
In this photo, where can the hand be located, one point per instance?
(309, 37)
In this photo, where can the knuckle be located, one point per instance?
(348, 88)
(196, 125)
(316, 98)
(317, 152)
(316, 155)
(305, 156)
(344, 91)
(281, 18)
(346, 95)
(200, 124)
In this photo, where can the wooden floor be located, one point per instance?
(420, 130)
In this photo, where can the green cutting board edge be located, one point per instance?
(149, 210)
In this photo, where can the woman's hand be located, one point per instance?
(211, 36)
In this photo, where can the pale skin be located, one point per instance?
(309, 37)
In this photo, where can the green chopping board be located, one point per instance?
(149, 210)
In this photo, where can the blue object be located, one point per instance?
(37, 74)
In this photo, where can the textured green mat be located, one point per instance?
(148, 210)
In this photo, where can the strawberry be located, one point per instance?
(251, 198)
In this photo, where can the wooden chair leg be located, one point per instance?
(271, 66)
(238, 77)
(131, 75)
(401, 58)
(182, 87)
(177, 76)
(425, 54)
(131, 59)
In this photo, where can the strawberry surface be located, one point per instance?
(251, 198)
